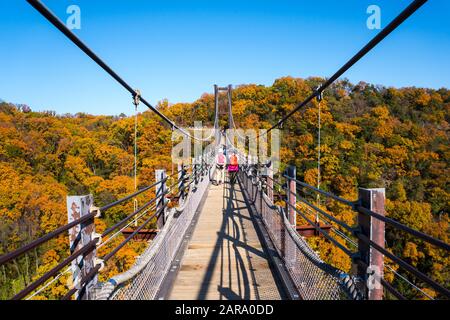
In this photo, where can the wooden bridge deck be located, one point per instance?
(224, 259)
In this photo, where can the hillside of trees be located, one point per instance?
(372, 136)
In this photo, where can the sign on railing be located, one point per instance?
(80, 236)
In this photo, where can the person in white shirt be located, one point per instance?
(220, 167)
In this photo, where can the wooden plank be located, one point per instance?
(224, 259)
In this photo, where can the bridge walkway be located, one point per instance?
(225, 259)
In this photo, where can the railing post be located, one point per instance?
(372, 228)
(260, 187)
(79, 236)
(269, 181)
(291, 172)
(161, 190)
(291, 201)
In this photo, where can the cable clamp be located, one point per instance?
(101, 262)
(97, 236)
(95, 209)
(137, 97)
(319, 95)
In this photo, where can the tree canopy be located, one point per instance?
(372, 136)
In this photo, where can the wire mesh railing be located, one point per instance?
(362, 238)
(143, 280)
(312, 277)
(260, 188)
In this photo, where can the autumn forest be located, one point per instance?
(372, 136)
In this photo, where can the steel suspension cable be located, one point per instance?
(53, 19)
(394, 24)
(136, 104)
(319, 100)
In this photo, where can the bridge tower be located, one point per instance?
(224, 109)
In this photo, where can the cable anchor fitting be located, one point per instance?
(97, 236)
(101, 262)
(319, 95)
(137, 97)
(93, 209)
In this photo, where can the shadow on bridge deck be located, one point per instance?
(225, 259)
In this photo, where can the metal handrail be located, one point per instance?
(124, 220)
(108, 256)
(439, 243)
(82, 251)
(404, 264)
(337, 221)
(325, 234)
(131, 196)
(357, 233)
(358, 208)
(92, 244)
(16, 253)
(325, 193)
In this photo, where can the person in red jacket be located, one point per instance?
(233, 167)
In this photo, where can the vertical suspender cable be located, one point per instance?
(135, 149)
(171, 143)
(319, 100)
(136, 101)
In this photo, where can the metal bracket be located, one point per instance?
(101, 262)
(93, 209)
(319, 95)
(97, 236)
(137, 97)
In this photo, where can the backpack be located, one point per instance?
(221, 159)
(233, 160)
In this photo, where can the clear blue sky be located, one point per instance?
(179, 49)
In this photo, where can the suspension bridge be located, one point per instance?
(230, 241)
